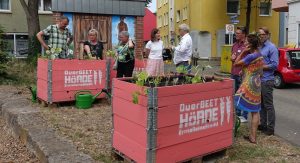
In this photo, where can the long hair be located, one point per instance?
(153, 33)
(253, 40)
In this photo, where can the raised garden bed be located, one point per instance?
(171, 123)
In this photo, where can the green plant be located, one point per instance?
(156, 81)
(110, 53)
(142, 78)
(135, 97)
(188, 79)
(53, 53)
(181, 69)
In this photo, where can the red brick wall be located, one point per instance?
(139, 34)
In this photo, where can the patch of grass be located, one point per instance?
(249, 151)
(103, 158)
(19, 72)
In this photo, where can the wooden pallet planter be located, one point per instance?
(58, 80)
(173, 123)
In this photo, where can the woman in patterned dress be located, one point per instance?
(248, 96)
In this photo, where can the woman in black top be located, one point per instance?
(93, 47)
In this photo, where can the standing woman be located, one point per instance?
(125, 55)
(154, 48)
(248, 96)
(93, 47)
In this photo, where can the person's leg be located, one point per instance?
(254, 124)
(263, 112)
(269, 107)
(120, 70)
(237, 83)
(129, 68)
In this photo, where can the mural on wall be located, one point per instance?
(122, 23)
(70, 27)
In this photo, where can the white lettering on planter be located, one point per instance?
(204, 114)
(75, 78)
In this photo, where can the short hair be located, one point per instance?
(124, 33)
(64, 18)
(242, 28)
(93, 31)
(265, 29)
(153, 33)
(184, 27)
(253, 40)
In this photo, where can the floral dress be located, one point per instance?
(248, 96)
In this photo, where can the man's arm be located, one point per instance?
(182, 47)
(41, 40)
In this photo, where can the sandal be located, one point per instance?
(249, 139)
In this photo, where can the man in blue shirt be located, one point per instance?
(270, 55)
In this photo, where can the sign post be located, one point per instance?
(230, 32)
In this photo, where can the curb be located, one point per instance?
(27, 124)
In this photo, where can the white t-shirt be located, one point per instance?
(156, 49)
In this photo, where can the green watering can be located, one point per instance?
(84, 99)
(33, 93)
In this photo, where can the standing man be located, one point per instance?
(270, 54)
(59, 36)
(183, 52)
(237, 48)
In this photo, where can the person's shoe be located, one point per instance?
(247, 138)
(243, 119)
(268, 132)
(262, 128)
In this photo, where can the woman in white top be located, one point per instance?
(154, 48)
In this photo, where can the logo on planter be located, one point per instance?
(82, 77)
(204, 114)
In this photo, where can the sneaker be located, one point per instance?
(243, 119)
(269, 132)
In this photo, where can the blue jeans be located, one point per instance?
(237, 83)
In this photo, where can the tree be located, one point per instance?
(148, 2)
(248, 12)
(33, 24)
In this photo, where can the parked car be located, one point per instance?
(288, 70)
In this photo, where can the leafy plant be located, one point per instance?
(157, 81)
(142, 78)
(181, 69)
(53, 53)
(135, 97)
(110, 53)
(188, 79)
(196, 79)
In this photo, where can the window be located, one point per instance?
(185, 13)
(166, 19)
(265, 9)
(45, 5)
(233, 6)
(178, 16)
(16, 44)
(5, 5)
(159, 21)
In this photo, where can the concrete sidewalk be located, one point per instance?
(28, 125)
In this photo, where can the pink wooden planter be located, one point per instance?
(174, 123)
(59, 80)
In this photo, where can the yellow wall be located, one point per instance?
(211, 16)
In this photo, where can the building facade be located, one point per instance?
(13, 20)
(207, 20)
(294, 23)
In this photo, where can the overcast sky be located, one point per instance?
(152, 6)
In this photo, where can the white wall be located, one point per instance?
(294, 21)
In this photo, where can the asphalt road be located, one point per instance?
(287, 107)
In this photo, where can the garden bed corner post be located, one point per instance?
(152, 125)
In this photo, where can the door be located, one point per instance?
(84, 22)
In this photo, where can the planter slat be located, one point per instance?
(127, 95)
(129, 147)
(193, 88)
(136, 113)
(194, 148)
(189, 98)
